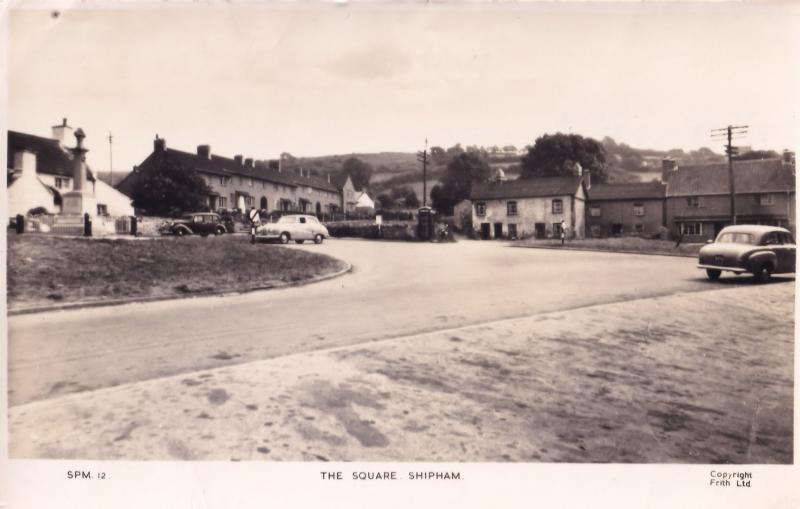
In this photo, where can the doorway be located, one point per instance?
(486, 231)
(498, 230)
(541, 230)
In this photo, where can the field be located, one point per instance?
(48, 270)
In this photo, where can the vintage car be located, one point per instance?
(199, 223)
(760, 250)
(296, 227)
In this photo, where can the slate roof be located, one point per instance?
(525, 188)
(51, 159)
(218, 165)
(317, 182)
(757, 176)
(631, 191)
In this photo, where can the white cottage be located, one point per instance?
(535, 207)
(41, 171)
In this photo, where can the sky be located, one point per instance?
(313, 79)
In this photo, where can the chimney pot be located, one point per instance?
(668, 165)
(204, 151)
(248, 162)
(238, 159)
(159, 144)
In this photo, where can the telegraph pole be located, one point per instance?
(422, 156)
(729, 133)
(110, 158)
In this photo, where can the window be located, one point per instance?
(303, 220)
(61, 183)
(558, 206)
(480, 209)
(638, 228)
(693, 202)
(223, 202)
(638, 209)
(223, 181)
(596, 230)
(691, 228)
(512, 231)
(556, 229)
(512, 208)
(766, 200)
(594, 211)
(102, 210)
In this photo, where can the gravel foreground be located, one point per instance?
(690, 378)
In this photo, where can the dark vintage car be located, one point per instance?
(200, 223)
(759, 250)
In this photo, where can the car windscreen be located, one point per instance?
(736, 238)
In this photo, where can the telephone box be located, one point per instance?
(426, 222)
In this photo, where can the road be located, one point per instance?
(395, 289)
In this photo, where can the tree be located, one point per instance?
(556, 154)
(383, 201)
(457, 181)
(359, 171)
(438, 155)
(167, 189)
(404, 196)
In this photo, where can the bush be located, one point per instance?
(406, 231)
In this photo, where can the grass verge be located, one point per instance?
(625, 244)
(49, 270)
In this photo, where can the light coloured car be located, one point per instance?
(760, 250)
(296, 227)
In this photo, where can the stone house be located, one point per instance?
(238, 183)
(41, 171)
(532, 207)
(698, 201)
(626, 209)
(348, 191)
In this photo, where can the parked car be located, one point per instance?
(297, 227)
(200, 223)
(760, 250)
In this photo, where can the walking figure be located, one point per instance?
(254, 216)
(563, 232)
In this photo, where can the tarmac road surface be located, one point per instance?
(396, 289)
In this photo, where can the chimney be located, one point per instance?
(329, 178)
(668, 165)
(204, 151)
(61, 132)
(238, 159)
(577, 169)
(788, 158)
(25, 162)
(248, 163)
(159, 144)
(587, 178)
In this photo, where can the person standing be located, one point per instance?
(254, 215)
(563, 231)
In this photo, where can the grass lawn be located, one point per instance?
(632, 244)
(45, 270)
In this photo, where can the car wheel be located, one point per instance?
(713, 274)
(219, 231)
(299, 241)
(284, 238)
(763, 273)
(180, 232)
(318, 239)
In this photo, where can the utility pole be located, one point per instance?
(110, 158)
(423, 158)
(728, 133)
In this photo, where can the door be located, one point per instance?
(486, 231)
(498, 230)
(541, 230)
(264, 204)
